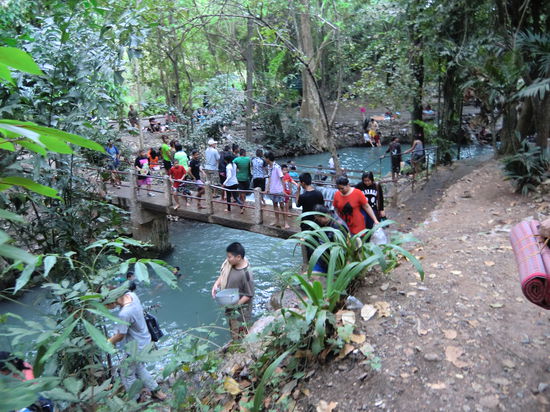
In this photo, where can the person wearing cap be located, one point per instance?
(134, 329)
(212, 158)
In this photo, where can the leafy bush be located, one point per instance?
(527, 169)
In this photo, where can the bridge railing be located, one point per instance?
(207, 195)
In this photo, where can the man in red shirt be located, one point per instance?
(177, 173)
(348, 203)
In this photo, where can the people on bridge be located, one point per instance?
(231, 183)
(181, 156)
(275, 188)
(243, 175)
(375, 196)
(153, 157)
(288, 183)
(222, 165)
(394, 149)
(235, 273)
(114, 162)
(135, 329)
(259, 170)
(166, 154)
(141, 165)
(212, 158)
(195, 174)
(177, 174)
(348, 203)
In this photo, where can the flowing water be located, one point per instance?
(199, 250)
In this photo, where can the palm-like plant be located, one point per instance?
(527, 169)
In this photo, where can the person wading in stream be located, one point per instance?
(235, 273)
(135, 329)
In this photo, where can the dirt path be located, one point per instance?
(465, 339)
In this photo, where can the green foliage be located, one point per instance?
(527, 169)
(71, 342)
(313, 327)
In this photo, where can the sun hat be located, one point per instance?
(211, 142)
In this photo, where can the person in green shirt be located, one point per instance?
(181, 156)
(243, 175)
(166, 154)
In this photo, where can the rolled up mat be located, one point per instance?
(533, 275)
(543, 247)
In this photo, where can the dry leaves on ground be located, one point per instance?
(231, 386)
(383, 309)
(367, 312)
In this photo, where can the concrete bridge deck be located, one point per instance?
(256, 217)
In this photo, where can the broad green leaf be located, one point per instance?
(68, 137)
(14, 217)
(59, 394)
(53, 144)
(15, 253)
(59, 341)
(165, 274)
(101, 310)
(7, 145)
(49, 262)
(12, 131)
(141, 272)
(98, 337)
(6, 74)
(73, 385)
(259, 395)
(31, 185)
(20, 60)
(33, 147)
(23, 278)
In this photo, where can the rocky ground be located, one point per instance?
(465, 339)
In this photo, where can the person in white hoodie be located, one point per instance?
(231, 183)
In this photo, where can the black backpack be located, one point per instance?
(153, 326)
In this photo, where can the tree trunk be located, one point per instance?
(313, 108)
(417, 66)
(452, 106)
(249, 56)
(542, 120)
(510, 143)
(525, 119)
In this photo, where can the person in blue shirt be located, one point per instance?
(114, 163)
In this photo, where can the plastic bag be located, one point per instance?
(379, 237)
(353, 303)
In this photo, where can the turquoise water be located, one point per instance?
(368, 158)
(199, 250)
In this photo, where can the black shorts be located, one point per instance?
(167, 164)
(244, 185)
(259, 182)
(396, 167)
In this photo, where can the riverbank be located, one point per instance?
(465, 338)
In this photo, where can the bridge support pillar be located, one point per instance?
(167, 191)
(258, 217)
(208, 198)
(146, 226)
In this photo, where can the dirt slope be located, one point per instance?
(465, 339)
